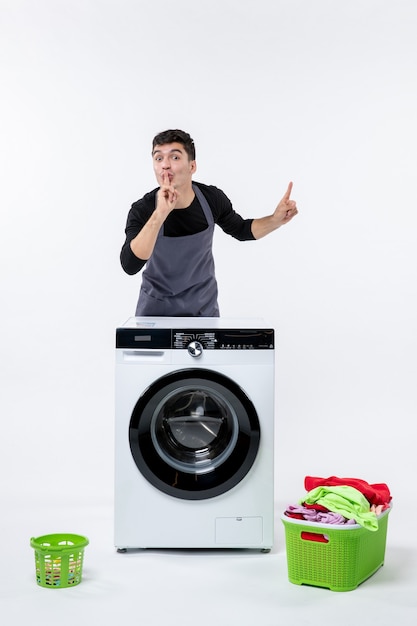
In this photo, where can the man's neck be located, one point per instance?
(186, 198)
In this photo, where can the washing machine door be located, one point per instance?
(194, 434)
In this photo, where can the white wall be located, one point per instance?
(316, 91)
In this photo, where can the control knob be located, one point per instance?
(195, 348)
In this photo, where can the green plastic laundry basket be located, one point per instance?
(59, 559)
(339, 557)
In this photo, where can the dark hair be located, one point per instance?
(175, 136)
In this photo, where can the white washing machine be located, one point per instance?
(194, 455)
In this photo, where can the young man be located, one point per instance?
(170, 230)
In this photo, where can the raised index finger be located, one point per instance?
(288, 192)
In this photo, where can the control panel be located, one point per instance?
(181, 339)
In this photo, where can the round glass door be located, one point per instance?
(194, 434)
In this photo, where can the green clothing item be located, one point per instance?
(346, 501)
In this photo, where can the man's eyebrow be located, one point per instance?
(173, 150)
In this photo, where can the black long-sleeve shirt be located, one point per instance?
(183, 222)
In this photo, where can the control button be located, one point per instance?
(195, 348)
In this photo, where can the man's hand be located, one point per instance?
(167, 195)
(286, 209)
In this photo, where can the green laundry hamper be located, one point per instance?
(59, 559)
(339, 557)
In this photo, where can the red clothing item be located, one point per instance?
(375, 494)
(316, 507)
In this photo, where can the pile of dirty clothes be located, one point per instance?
(335, 500)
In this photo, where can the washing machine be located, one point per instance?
(194, 433)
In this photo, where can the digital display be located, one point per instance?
(143, 337)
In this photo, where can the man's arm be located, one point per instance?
(143, 244)
(285, 211)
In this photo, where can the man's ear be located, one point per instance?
(193, 167)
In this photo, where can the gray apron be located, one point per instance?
(179, 277)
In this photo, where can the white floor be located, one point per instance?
(155, 587)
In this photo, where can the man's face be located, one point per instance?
(171, 164)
